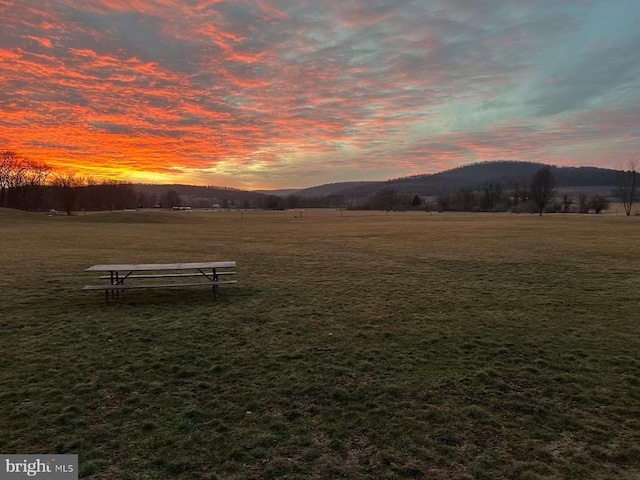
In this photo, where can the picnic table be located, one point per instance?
(161, 275)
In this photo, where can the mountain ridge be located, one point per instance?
(473, 176)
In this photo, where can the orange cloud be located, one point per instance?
(255, 88)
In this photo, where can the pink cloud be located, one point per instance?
(166, 85)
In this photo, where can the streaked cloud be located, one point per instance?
(285, 93)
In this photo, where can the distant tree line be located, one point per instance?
(34, 186)
(22, 182)
(28, 185)
(535, 195)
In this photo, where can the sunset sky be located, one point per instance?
(295, 93)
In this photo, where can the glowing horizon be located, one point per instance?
(258, 94)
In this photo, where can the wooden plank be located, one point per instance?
(169, 275)
(158, 285)
(160, 266)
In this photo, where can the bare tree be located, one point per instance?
(543, 186)
(583, 203)
(12, 174)
(34, 183)
(519, 191)
(599, 203)
(171, 199)
(68, 189)
(491, 196)
(7, 165)
(627, 186)
(385, 199)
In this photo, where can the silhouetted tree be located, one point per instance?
(627, 186)
(292, 201)
(333, 201)
(444, 202)
(519, 191)
(22, 181)
(599, 204)
(66, 186)
(385, 199)
(542, 188)
(491, 196)
(170, 199)
(468, 199)
(108, 195)
(143, 200)
(8, 164)
(583, 203)
(13, 176)
(274, 202)
(34, 181)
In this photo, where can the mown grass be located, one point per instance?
(355, 345)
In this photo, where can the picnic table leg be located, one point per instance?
(113, 282)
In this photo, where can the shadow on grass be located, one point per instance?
(173, 296)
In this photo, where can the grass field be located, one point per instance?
(355, 345)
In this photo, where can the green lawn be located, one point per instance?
(356, 345)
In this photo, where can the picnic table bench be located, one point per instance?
(159, 275)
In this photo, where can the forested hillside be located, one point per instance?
(475, 176)
(484, 186)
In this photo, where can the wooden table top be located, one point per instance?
(160, 266)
